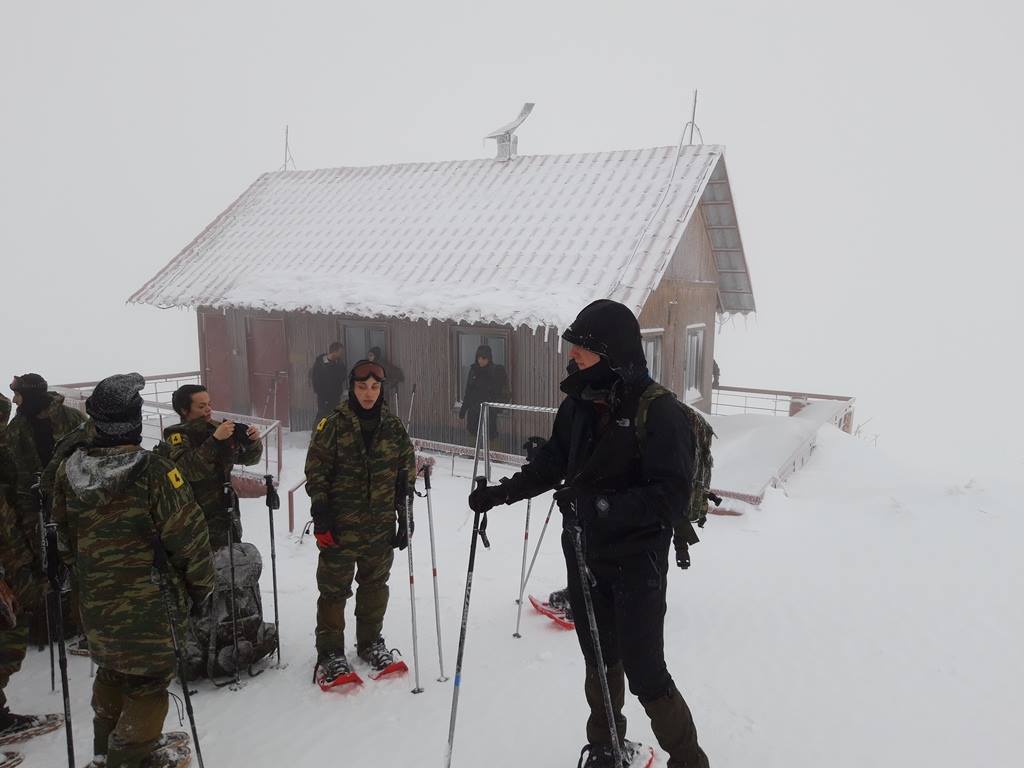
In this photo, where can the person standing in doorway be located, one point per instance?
(328, 378)
(487, 382)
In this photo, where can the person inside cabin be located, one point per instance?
(487, 382)
(328, 376)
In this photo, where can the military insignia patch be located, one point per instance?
(320, 426)
(175, 439)
(175, 477)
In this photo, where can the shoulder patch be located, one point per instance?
(320, 426)
(176, 479)
(175, 438)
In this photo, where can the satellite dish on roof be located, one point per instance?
(507, 142)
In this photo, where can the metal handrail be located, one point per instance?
(291, 504)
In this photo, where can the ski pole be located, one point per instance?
(229, 495)
(433, 568)
(536, 548)
(160, 570)
(274, 502)
(47, 597)
(403, 489)
(522, 570)
(52, 571)
(412, 401)
(478, 530)
(588, 601)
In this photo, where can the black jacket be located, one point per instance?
(329, 379)
(483, 385)
(600, 458)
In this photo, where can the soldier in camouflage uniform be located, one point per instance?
(205, 451)
(352, 468)
(113, 503)
(28, 443)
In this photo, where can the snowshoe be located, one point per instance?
(15, 728)
(332, 671)
(558, 616)
(10, 759)
(634, 755)
(171, 739)
(381, 660)
(170, 756)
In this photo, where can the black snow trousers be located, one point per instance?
(628, 594)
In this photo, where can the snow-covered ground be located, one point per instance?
(862, 616)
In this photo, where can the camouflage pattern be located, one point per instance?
(17, 569)
(22, 446)
(110, 505)
(5, 416)
(334, 575)
(206, 464)
(128, 716)
(80, 436)
(358, 485)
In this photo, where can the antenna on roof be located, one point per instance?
(692, 125)
(507, 142)
(288, 159)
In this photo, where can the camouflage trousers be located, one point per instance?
(334, 575)
(30, 592)
(128, 716)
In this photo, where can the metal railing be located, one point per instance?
(158, 389)
(727, 401)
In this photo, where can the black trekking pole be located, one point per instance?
(479, 529)
(586, 579)
(53, 573)
(274, 502)
(402, 487)
(433, 567)
(229, 495)
(160, 575)
(37, 489)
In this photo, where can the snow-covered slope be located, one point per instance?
(862, 616)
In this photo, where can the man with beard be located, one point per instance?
(352, 468)
(621, 495)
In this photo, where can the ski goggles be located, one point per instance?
(366, 369)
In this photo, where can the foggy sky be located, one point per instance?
(874, 151)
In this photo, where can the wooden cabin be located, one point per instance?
(430, 260)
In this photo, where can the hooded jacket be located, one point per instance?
(112, 507)
(625, 496)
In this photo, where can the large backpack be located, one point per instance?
(703, 461)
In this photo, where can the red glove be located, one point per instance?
(325, 539)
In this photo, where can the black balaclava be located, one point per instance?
(116, 410)
(611, 330)
(353, 401)
(34, 397)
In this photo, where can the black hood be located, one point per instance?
(611, 330)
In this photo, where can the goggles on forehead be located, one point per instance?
(367, 369)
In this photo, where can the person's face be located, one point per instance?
(371, 356)
(200, 407)
(334, 356)
(17, 399)
(483, 361)
(368, 392)
(583, 357)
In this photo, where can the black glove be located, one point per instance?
(488, 497)
(589, 506)
(682, 553)
(401, 538)
(323, 524)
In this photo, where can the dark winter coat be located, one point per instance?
(483, 385)
(329, 380)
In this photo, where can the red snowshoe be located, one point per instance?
(381, 660)
(557, 615)
(333, 671)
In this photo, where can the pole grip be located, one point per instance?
(426, 476)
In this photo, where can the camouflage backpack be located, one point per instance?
(703, 461)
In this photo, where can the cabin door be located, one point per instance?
(217, 360)
(268, 367)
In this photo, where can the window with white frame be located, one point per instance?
(652, 351)
(694, 374)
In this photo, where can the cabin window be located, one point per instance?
(360, 339)
(652, 351)
(694, 363)
(466, 344)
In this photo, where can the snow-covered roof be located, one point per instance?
(524, 242)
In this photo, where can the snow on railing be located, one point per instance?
(726, 401)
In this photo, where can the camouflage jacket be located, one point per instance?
(112, 506)
(206, 462)
(359, 485)
(5, 416)
(25, 458)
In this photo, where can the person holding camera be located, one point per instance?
(205, 451)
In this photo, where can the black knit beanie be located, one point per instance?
(116, 408)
